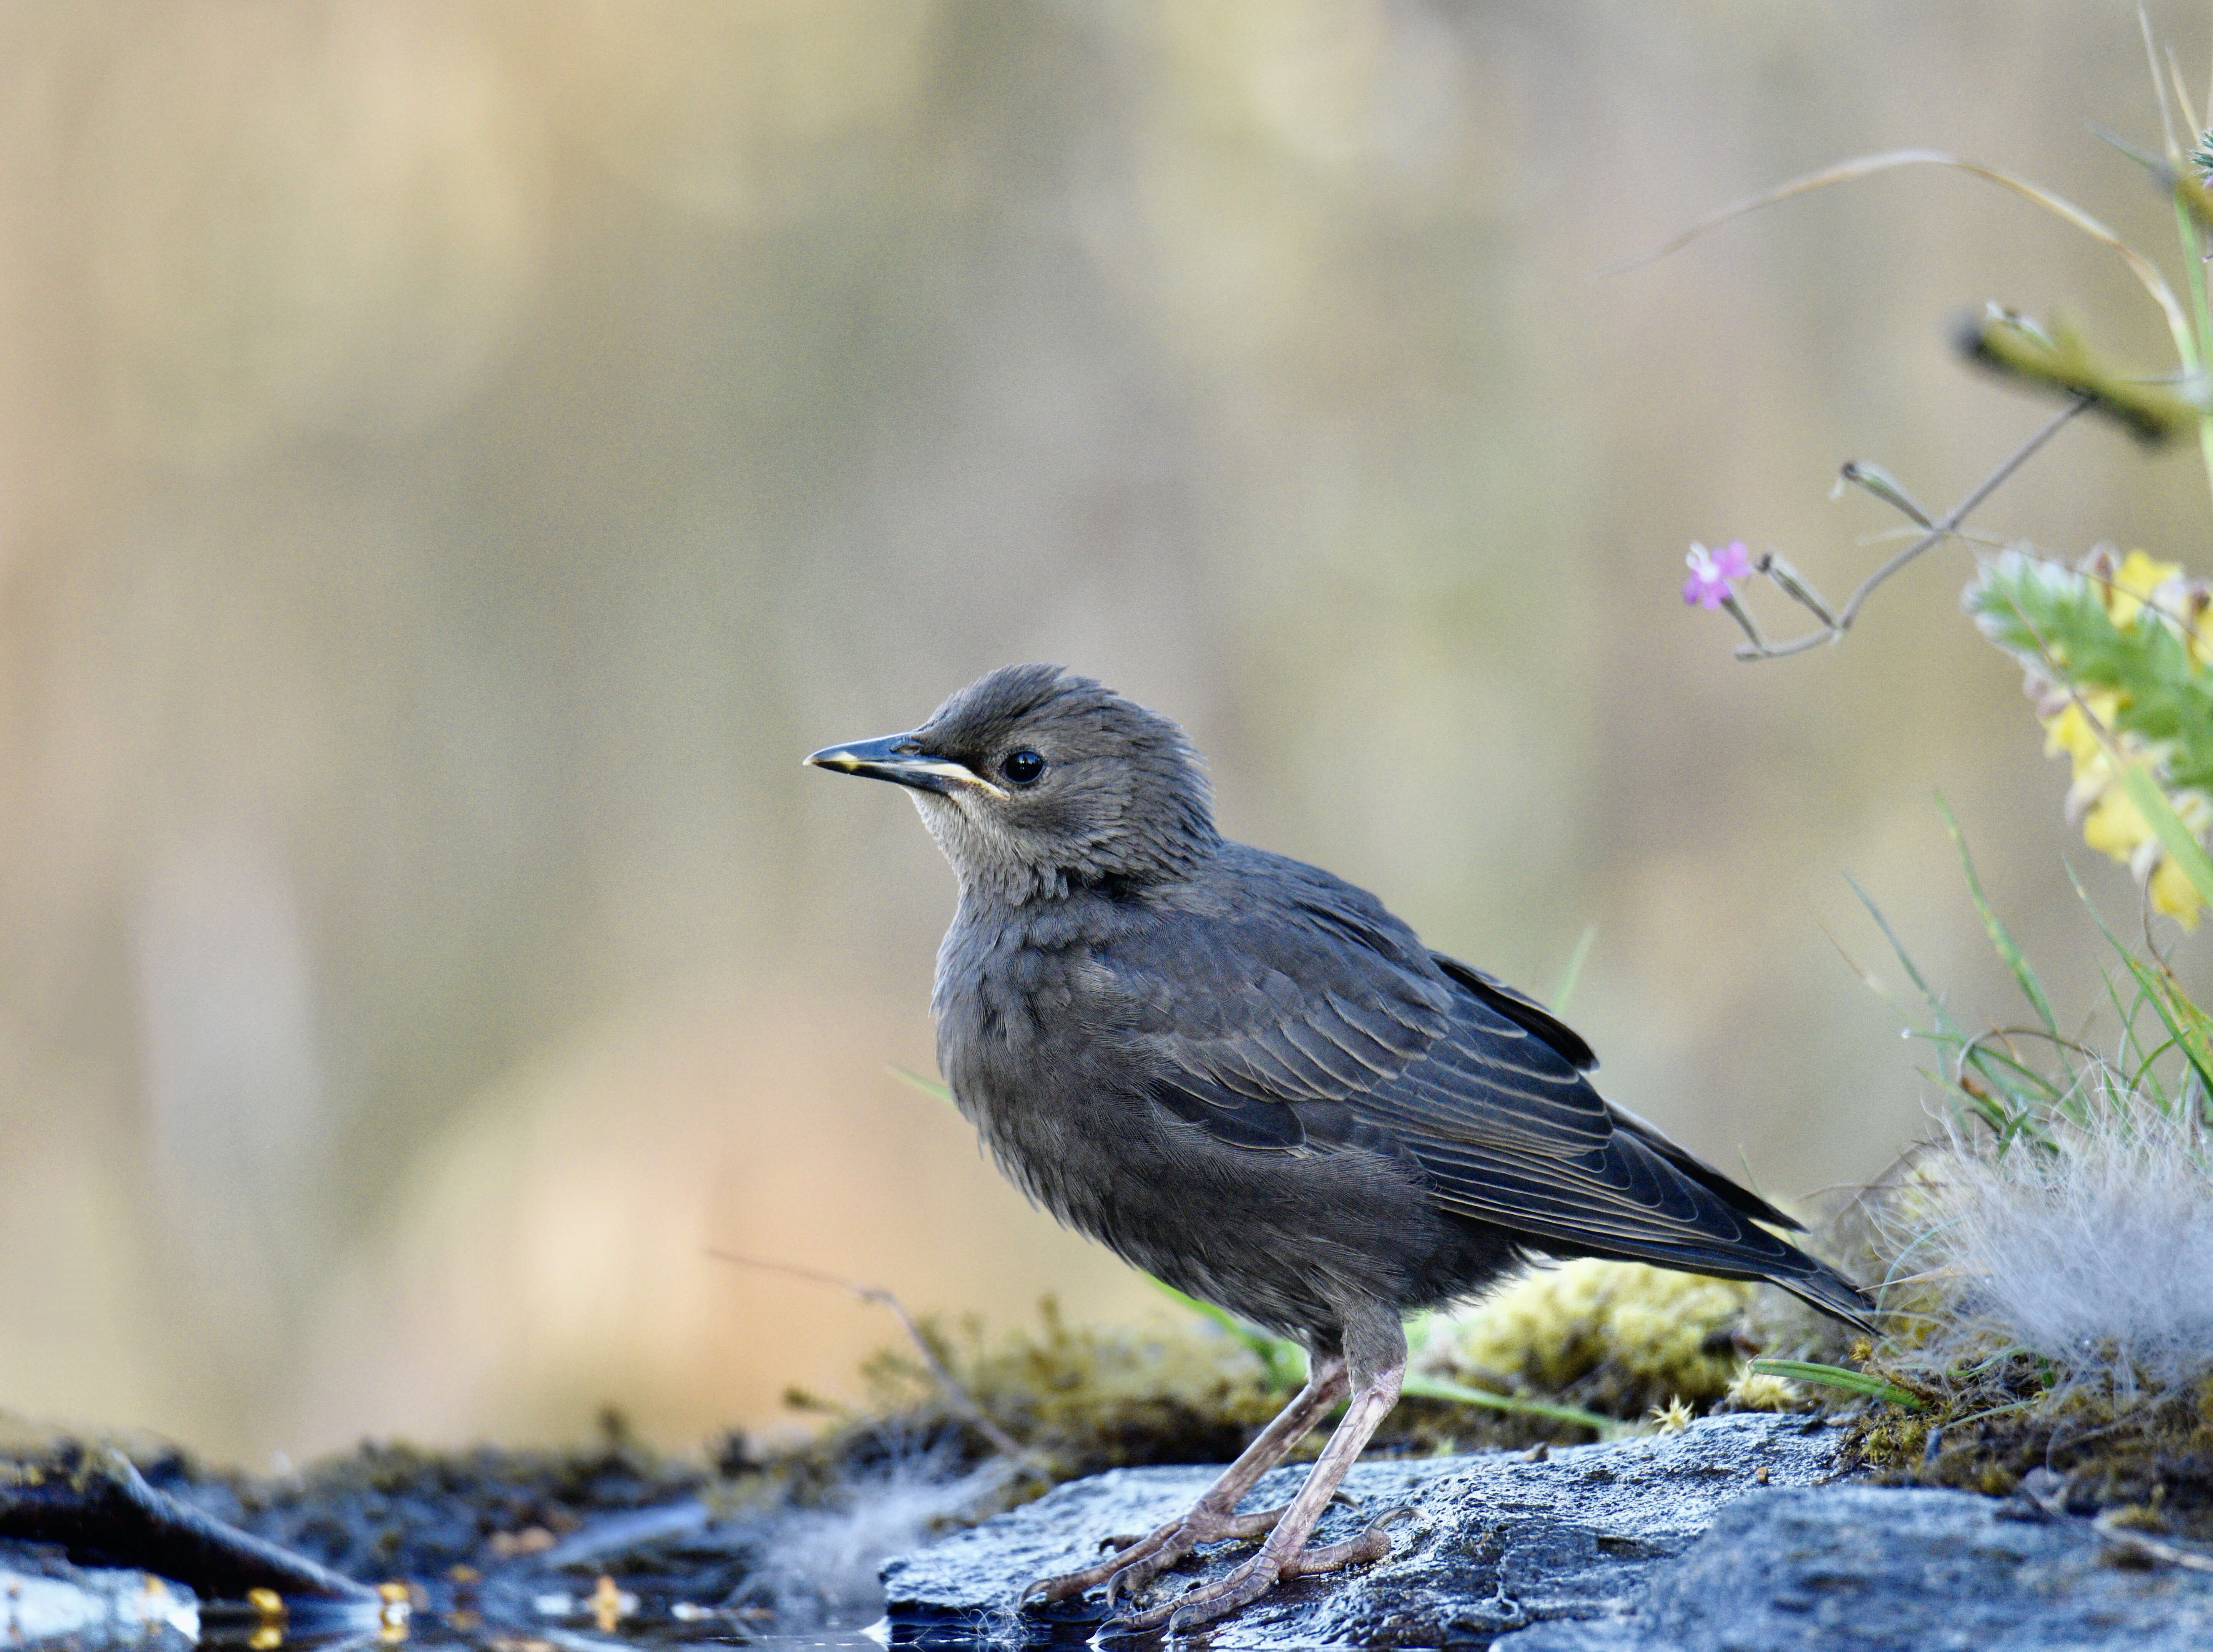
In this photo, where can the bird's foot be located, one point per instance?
(1136, 1561)
(1239, 1589)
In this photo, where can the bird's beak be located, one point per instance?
(900, 758)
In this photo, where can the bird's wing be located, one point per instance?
(1293, 990)
(1521, 1009)
(1309, 996)
(1280, 1027)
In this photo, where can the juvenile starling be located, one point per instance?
(1250, 1080)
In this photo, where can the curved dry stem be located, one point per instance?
(2058, 1039)
(2146, 272)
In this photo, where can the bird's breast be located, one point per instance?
(1060, 1104)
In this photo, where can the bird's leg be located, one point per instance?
(1375, 1378)
(1215, 1516)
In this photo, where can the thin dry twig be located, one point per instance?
(2142, 1545)
(1833, 630)
(956, 1394)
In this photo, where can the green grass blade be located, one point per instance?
(1836, 1376)
(2145, 1079)
(1432, 1388)
(1285, 1361)
(2127, 1014)
(2193, 264)
(2001, 937)
(2192, 1039)
(927, 1086)
(2166, 825)
(1939, 1015)
(1572, 970)
(2010, 1108)
(2153, 987)
(1985, 1052)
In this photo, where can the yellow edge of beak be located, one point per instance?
(848, 763)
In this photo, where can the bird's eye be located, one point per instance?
(1022, 767)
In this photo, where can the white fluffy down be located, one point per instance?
(818, 1565)
(2098, 1256)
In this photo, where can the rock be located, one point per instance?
(43, 1598)
(1673, 1541)
(1497, 1542)
(102, 1511)
(1874, 1568)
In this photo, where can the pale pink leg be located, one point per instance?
(1285, 1554)
(1214, 1516)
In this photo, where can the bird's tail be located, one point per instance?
(1777, 1262)
(1818, 1285)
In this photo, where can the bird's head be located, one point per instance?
(1034, 780)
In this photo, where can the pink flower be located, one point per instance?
(1707, 586)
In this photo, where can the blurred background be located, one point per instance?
(456, 457)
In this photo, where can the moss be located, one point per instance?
(1617, 1337)
(1078, 1399)
(2107, 1449)
(1756, 1390)
(1612, 1338)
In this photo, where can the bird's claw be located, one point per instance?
(1126, 1554)
(1202, 1604)
(1137, 1562)
(1239, 1589)
(1127, 1580)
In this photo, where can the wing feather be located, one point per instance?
(1322, 1023)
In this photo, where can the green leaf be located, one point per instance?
(2053, 619)
(2000, 938)
(2059, 358)
(1836, 1376)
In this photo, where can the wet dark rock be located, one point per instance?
(1874, 1569)
(99, 1510)
(1674, 1541)
(1497, 1542)
(43, 1598)
(387, 1511)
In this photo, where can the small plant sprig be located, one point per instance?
(2115, 649)
(1713, 575)
(2054, 357)
(2048, 1249)
(2031, 1084)
(2115, 656)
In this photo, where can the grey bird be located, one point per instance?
(1250, 1080)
